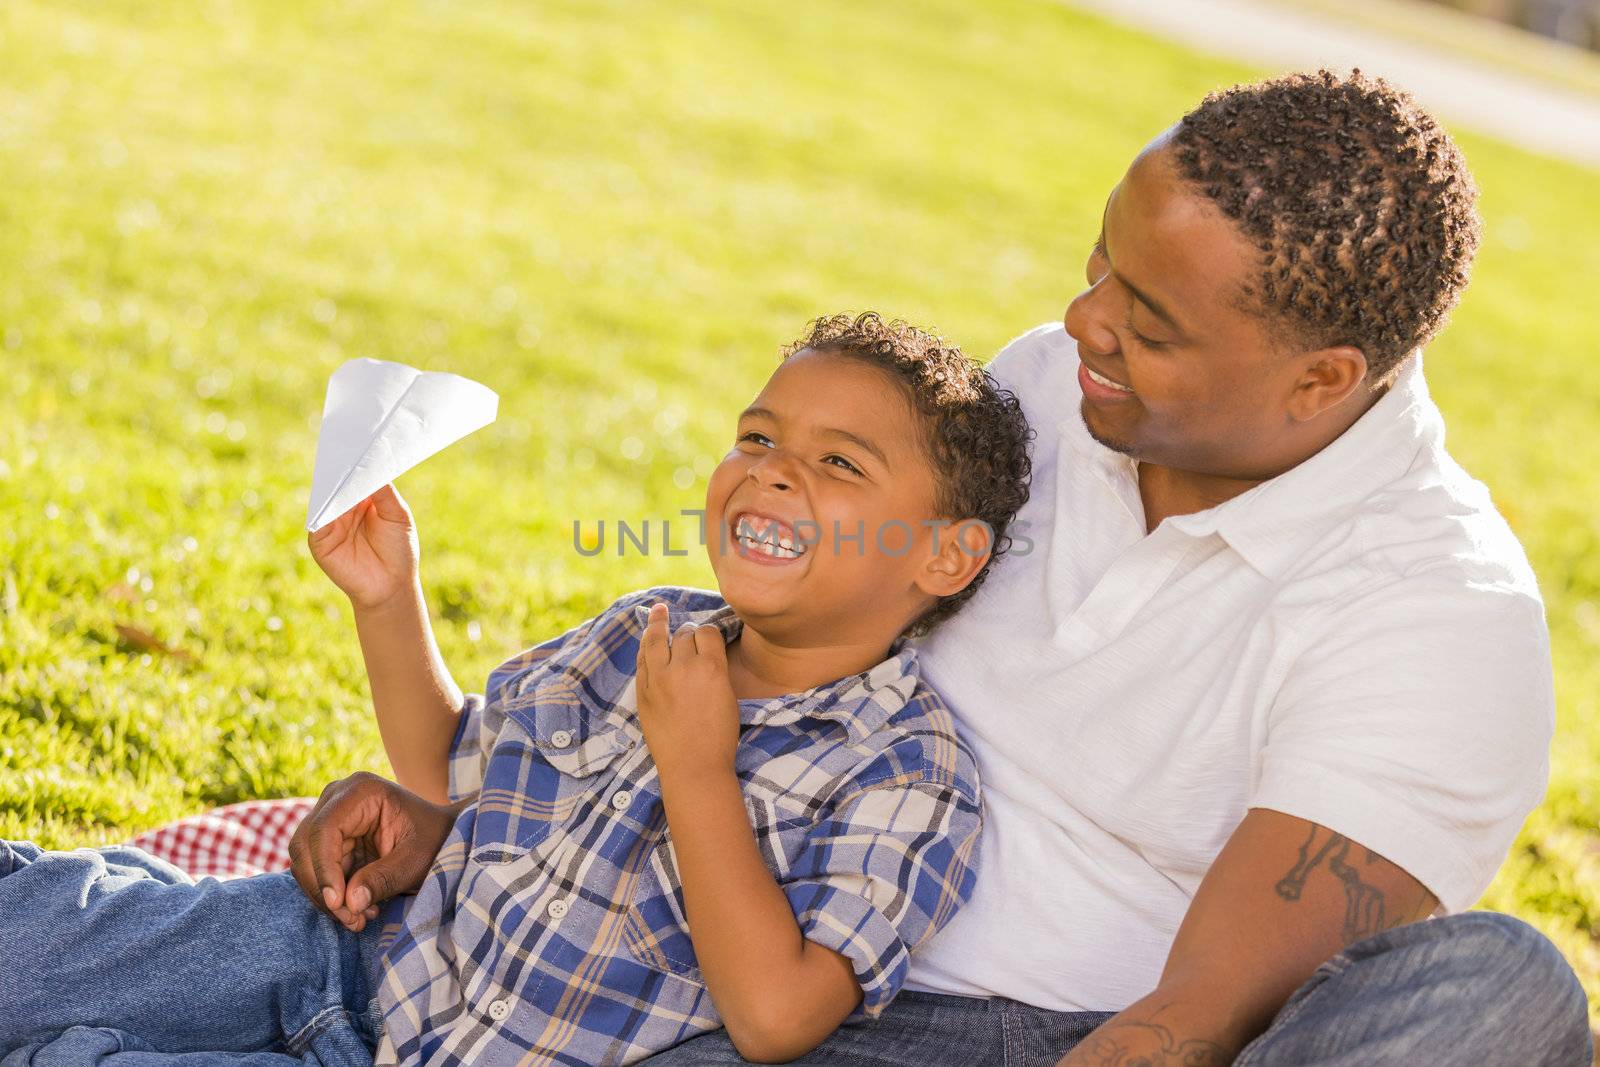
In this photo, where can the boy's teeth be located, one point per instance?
(1103, 380)
(768, 548)
(754, 532)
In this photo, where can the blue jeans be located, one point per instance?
(1477, 989)
(113, 958)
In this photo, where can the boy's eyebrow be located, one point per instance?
(831, 431)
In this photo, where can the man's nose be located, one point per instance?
(1088, 321)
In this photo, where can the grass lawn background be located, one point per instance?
(614, 214)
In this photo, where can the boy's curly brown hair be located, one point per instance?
(1360, 204)
(975, 434)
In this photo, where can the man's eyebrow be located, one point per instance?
(831, 431)
(1148, 301)
(1144, 298)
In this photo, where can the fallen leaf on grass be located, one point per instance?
(143, 640)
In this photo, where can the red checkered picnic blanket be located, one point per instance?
(232, 842)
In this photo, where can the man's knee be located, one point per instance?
(1473, 988)
(15, 855)
(1512, 951)
(1505, 960)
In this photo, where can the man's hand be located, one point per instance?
(366, 841)
(687, 709)
(370, 551)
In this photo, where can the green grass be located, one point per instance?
(613, 213)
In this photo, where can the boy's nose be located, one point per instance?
(773, 473)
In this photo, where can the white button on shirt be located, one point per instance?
(499, 1010)
(556, 908)
(1358, 642)
(561, 739)
(621, 799)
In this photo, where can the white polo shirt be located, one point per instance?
(1358, 642)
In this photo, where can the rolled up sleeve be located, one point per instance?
(886, 870)
(469, 749)
(1420, 729)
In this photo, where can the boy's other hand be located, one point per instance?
(371, 550)
(687, 709)
(366, 840)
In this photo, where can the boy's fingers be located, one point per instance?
(654, 645)
(683, 640)
(389, 505)
(708, 642)
(333, 531)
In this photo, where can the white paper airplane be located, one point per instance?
(380, 420)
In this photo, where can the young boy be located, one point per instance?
(691, 811)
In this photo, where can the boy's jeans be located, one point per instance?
(112, 957)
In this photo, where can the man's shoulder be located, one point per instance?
(1440, 525)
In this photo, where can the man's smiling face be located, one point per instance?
(1204, 388)
(828, 457)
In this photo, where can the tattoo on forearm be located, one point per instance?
(1364, 911)
(1144, 1044)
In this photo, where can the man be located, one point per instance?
(1271, 683)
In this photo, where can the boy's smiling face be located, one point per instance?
(829, 458)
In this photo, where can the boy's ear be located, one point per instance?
(956, 554)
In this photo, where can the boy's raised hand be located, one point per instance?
(687, 709)
(367, 839)
(371, 550)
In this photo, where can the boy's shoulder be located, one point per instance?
(900, 728)
(682, 597)
(628, 614)
(681, 601)
(899, 731)
(924, 731)
(601, 644)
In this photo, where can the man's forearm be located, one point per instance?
(779, 994)
(416, 700)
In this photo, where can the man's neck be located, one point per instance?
(759, 667)
(1167, 491)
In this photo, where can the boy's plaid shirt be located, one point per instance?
(550, 929)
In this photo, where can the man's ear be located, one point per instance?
(956, 554)
(1330, 376)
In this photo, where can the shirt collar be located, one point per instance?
(1272, 523)
(861, 702)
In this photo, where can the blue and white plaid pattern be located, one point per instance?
(551, 928)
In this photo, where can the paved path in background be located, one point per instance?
(1510, 106)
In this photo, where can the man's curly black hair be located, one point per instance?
(975, 434)
(1362, 208)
